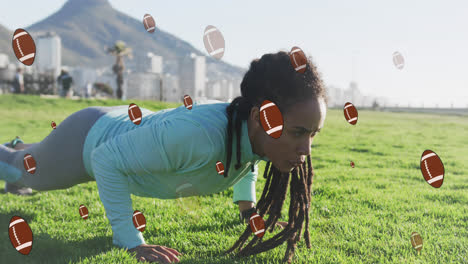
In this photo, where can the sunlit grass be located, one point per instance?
(364, 214)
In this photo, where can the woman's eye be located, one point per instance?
(300, 133)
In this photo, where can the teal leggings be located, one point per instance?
(59, 156)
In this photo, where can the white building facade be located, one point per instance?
(192, 76)
(48, 53)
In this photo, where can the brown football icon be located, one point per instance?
(21, 236)
(398, 60)
(214, 42)
(352, 164)
(220, 168)
(53, 125)
(24, 46)
(29, 163)
(188, 102)
(83, 212)
(350, 113)
(298, 59)
(134, 113)
(271, 119)
(148, 22)
(432, 168)
(139, 220)
(416, 241)
(257, 225)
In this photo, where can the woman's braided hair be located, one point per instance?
(272, 77)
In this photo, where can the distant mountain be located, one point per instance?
(86, 27)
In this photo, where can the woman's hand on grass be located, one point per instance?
(155, 253)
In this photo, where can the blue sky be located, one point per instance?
(432, 36)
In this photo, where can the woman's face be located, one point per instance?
(301, 123)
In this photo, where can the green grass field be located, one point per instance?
(364, 214)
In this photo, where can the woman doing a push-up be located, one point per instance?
(173, 153)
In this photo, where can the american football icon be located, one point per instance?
(350, 113)
(271, 119)
(148, 22)
(29, 163)
(21, 236)
(298, 59)
(416, 241)
(188, 102)
(257, 225)
(24, 46)
(134, 113)
(220, 168)
(53, 125)
(214, 42)
(139, 220)
(83, 212)
(398, 60)
(432, 168)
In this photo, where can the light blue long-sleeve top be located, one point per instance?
(171, 154)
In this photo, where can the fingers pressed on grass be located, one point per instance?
(169, 254)
(174, 251)
(161, 256)
(153, 258)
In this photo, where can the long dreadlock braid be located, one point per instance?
(273, 78)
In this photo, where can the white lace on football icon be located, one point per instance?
(257, 225)
(83, 212)
(432, 168)
(416, 241)
(398, 60)
(298, 59)
(21, 236)
(139, 221)
(214, 42)
(271, 119)
(134, 113)
(29, 163)
(188, 102)
(148, 23)
(24, 47)
(350, 113)
(220, 168)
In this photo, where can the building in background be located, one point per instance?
(236, 91)
(48, 53)
(335, 96)
(170, 87)
(106, 76)
(6, 74)
(144, 86)
(353, 95)
(192, 76)
(4, 61)
(223, 89)
(81, 77)
(144, 78)
(154, 63)
(145, 62)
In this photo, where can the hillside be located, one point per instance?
(86, 27)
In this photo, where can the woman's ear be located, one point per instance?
(255, 116)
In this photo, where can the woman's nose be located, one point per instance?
(305, 148)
